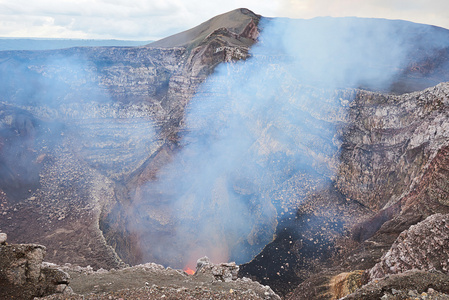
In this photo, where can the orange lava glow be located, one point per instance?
(189, 271)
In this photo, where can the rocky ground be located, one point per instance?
(24, 275)
(151, 281)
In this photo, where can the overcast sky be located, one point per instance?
(154, 19)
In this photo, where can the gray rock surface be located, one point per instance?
(223, 272)
(389, 141)
(23, 276)
(424, 246)
(153, 281)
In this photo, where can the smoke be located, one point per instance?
(262, 132)
(259, 134)
(51, 96)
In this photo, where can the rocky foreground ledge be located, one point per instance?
(415, 267)
(24, 275)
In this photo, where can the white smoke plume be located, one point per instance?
(257, 126)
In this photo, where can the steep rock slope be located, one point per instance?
(379, 191)
(407, 202)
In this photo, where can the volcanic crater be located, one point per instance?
(220, 142)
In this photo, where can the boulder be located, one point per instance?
(424, 246)
(223, 272)
(23, 276)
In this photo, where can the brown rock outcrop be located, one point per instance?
(346, 283)
(24, 276)
(424, 246)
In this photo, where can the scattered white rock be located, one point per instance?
(3, 238)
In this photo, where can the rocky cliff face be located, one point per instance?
(371, 236)
(376, 155)
(331, 178)
(390, 141)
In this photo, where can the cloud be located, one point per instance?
(429, 12)
(154, 19)
(87, 19)
(138, 19)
